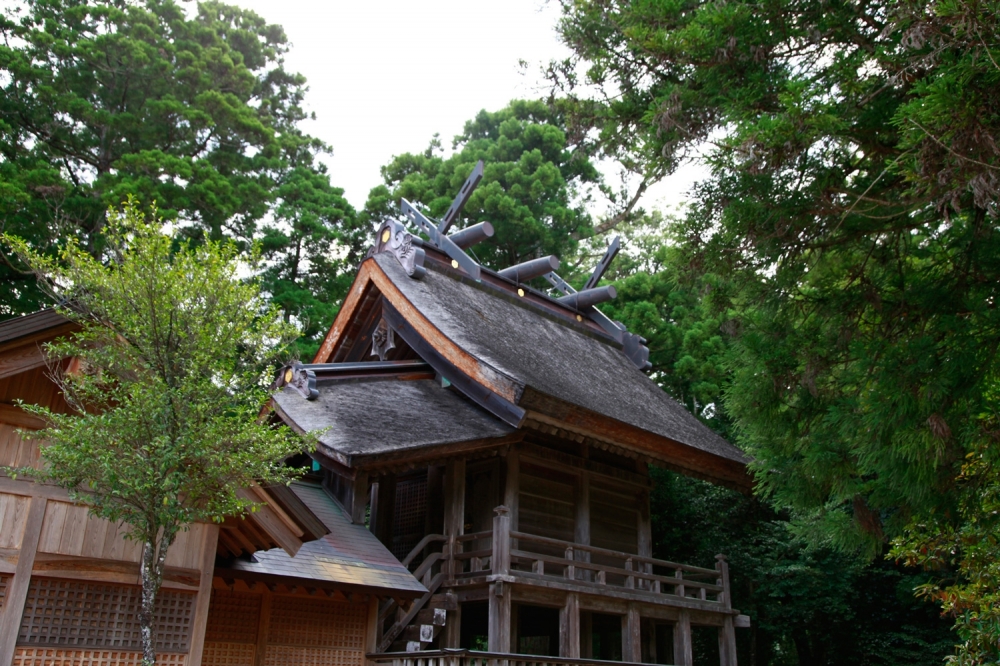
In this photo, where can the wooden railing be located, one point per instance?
(532, 556)
(449, 657)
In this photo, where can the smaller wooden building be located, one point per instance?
(294, 583)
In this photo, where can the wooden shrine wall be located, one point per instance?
(69, 582)
(258, 627)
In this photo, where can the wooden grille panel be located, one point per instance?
(317, 623)
(233, 617)
(101, 615)
(279, 655)
(31, 656)
(409, 522)
(4, 582)
(228, 654)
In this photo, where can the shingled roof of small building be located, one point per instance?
(349, 557)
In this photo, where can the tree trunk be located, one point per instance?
(154, 556)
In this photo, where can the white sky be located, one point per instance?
(385, 75)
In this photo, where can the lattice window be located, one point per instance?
(101, 615)
(284, 656)
(227, 654)
(4, 582)
(409, 522)
(319, 623)
(233, 617)
(32, 656)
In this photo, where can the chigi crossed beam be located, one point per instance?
(454, 246)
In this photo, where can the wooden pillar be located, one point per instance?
(203, 602)
(359, 497)
(383, 509)
(263, 626)
(727, 632)
(683, 655)
(727, 642)
(454, 498)
(500, 621)
(371, 636)
(645, 526)
(569, 627)
(451, 637)
(581, 533)
(454, 511)
(499, 639)
(631, 635)
(17, 589)
(434, 523)
(512, 487)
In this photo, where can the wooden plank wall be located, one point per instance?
(253, 626)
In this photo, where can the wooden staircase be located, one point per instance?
(417, 626)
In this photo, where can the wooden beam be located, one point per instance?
(454, 498)
(569, 627)
(17, 589)
(202, 603)
(21, 359)
(688, 459)
(683, 652)
(15, 416)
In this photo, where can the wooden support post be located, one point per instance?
(581, 533)
(499, 639)
(683, 654)
(454, 498)
(727, 632)
(372, 634)
(512, 488)
(17, 589)
(384, 508)
(727, 642)
(500, 626)
(631, 635)
(454, 511)
(452, 635)
(202, 603)
(359, 497)
(501, 542)
(263, 626)
(569, 627)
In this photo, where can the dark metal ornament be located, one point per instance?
(383, 339)
(395, 239)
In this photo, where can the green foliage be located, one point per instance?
(105, 100)
(851, 210)
(311, 253)
(532, 190)
(173, 363)
(808, 603)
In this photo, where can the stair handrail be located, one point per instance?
(426, 541)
